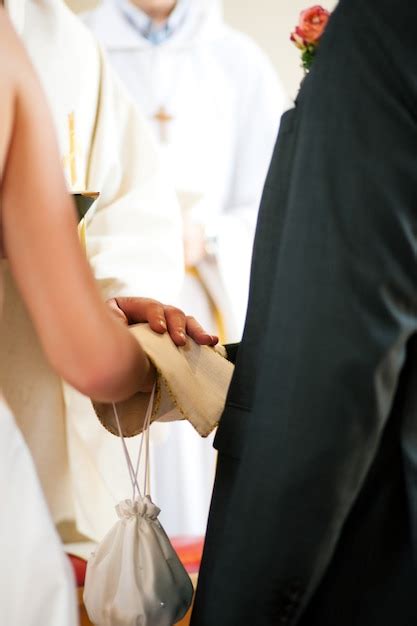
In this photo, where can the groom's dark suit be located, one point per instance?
(314, 514)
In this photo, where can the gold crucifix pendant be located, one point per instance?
(163, 118)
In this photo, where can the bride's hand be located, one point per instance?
(161, 318)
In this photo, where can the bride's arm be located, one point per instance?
(83, 342)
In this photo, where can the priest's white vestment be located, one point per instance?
(222, 103)
(134, 246)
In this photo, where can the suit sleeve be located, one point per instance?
(232, 350)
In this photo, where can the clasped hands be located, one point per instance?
(161, 318)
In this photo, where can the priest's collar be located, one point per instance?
(143, 24)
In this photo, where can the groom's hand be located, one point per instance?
(162, 318)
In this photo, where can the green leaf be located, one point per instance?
(307, 57)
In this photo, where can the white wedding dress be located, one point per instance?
(37, 587)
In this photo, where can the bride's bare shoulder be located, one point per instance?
(15, 67)
(15, 74)
(8, 88)
(12, 54)
(7, 46)
(18, 81)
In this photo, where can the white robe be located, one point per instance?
(134, 245)
(37, 585)
(226, 102)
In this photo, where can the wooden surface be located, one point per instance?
(84, 621)
(186, 620)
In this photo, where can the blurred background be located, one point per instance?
(269, 22)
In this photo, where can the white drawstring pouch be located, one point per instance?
(135, 578)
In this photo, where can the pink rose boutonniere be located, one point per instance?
(307, 34)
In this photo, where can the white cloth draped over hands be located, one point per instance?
(192, 384)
